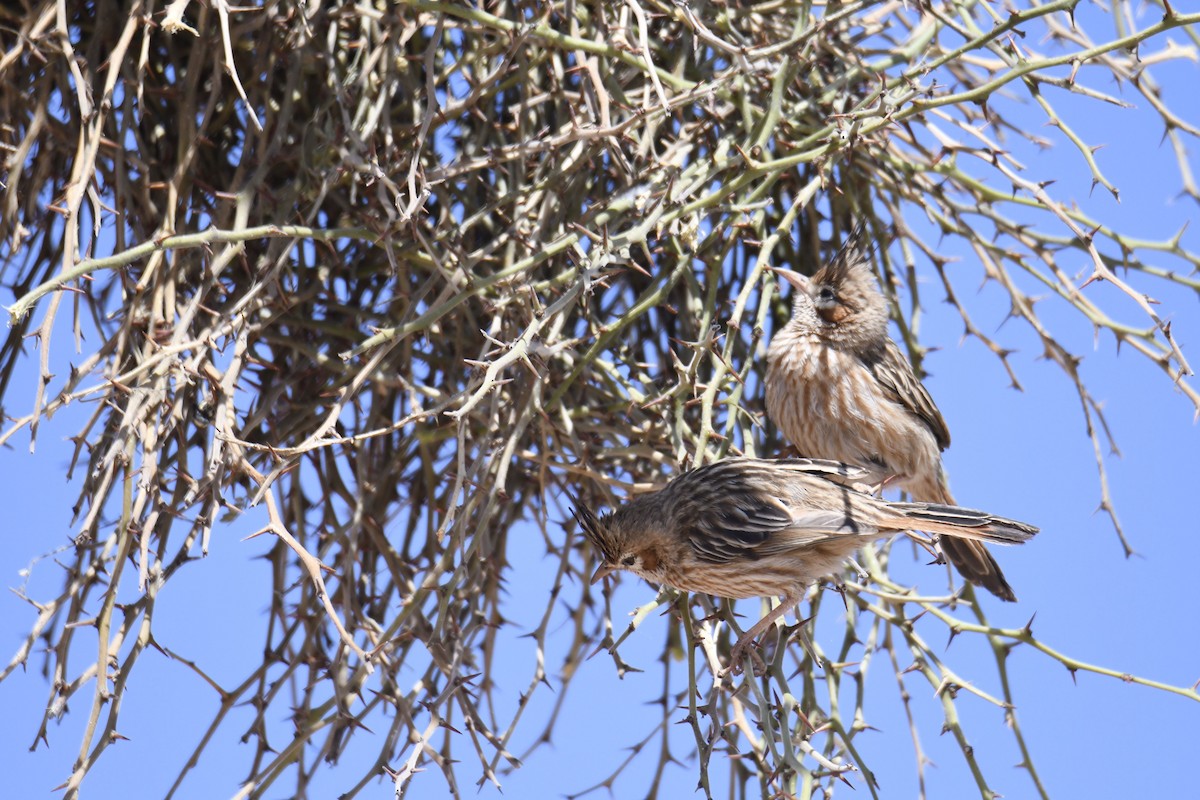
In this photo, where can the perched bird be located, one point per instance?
(838, 387)
(747, 527)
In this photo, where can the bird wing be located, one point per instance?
(736, 525)
(810, 528)
(895, 376)
(743, 517)
(834, 471)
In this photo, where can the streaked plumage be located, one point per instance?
(746, 527)
(838, 387)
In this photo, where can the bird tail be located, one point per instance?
(969, 556)
(962, 523)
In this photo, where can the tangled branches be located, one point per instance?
(404, 273)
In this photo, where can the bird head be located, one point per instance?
(617, 551)
(841, 301)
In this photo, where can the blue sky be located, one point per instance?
(1021, 454)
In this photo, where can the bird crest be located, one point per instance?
(846, 297)
(596, 529)
(851, 263)
(846, 284)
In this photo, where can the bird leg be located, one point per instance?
(735, 658)
(878, 487)
(747, 638)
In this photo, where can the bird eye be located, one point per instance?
(628, 561)
(826, 295)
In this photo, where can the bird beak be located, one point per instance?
(602, 572)
(798, 281)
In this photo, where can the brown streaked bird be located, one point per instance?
(748, 527)
(838, 387)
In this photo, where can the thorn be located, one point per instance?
(746, 156)
(1178, 236)
(954, 631)
(595, 652)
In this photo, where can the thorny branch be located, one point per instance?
(405, 273)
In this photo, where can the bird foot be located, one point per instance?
(745, 645)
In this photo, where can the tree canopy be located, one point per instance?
(410, 274)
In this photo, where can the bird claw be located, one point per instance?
(735, 659)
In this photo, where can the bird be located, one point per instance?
(838, 387)
(749, 527)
